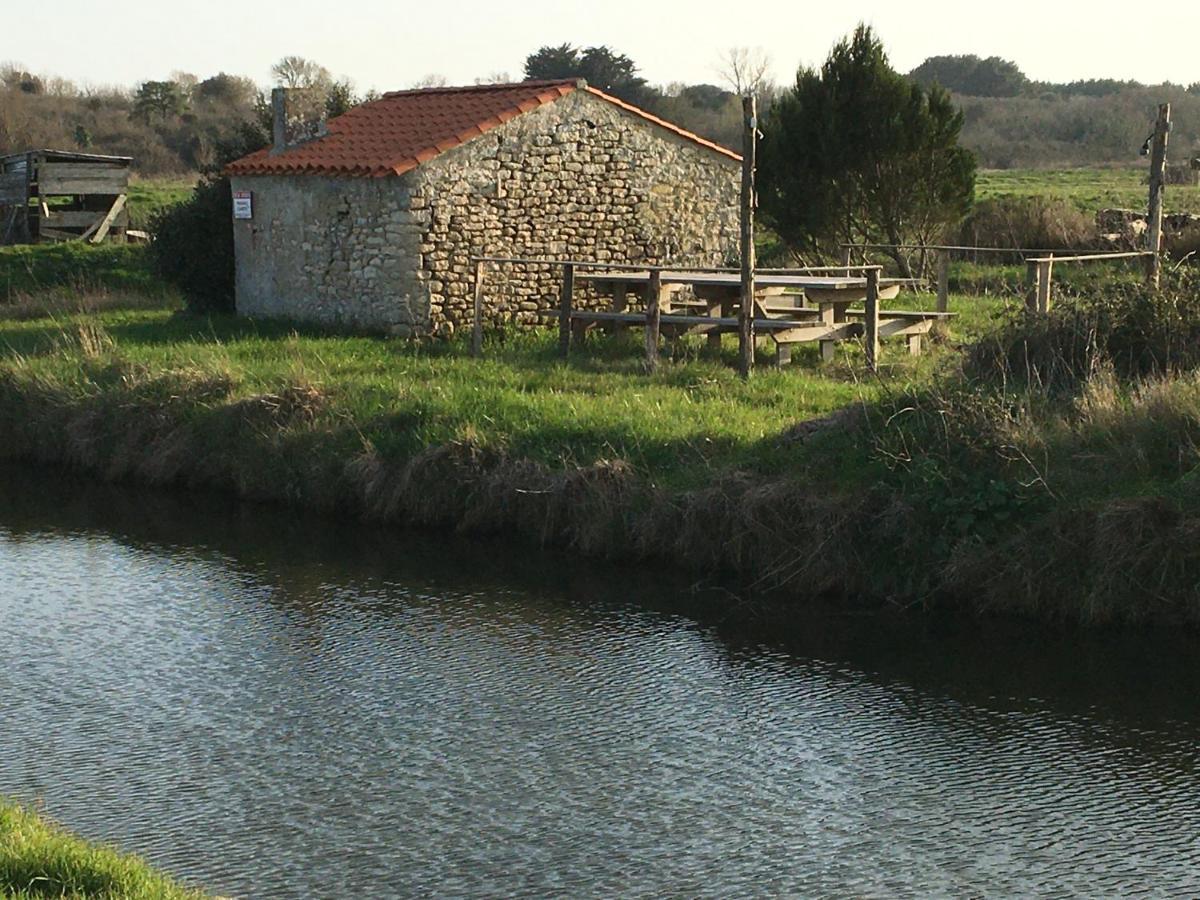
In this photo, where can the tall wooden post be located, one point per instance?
(1045, 273)
(1032, 272)
(653, 318)
(871, 325)
(565, 300)
(477, 320)
(746, 313)
(846, 257)
(1158, 173)
(943, 280)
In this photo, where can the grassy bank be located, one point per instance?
(946, 479)
(39, 859)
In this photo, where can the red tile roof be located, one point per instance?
(401, 130)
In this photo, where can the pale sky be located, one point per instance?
(389, 45)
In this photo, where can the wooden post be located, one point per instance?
(1158, 171)
(620, 303)
(26, 231)
(746, 313)
(565, 299)
(717, 309)
(477, 321)
(871, 323)
(1044, 274)
(846, 258)
(943, 280)
(653, 318)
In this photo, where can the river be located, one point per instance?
(269, 704)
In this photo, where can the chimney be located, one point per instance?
(298, 115)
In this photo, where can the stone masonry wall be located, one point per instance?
(578, 178)
(337, 251)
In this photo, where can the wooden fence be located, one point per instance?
(1039, 265)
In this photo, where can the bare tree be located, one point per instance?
(432, 80)
(298, 72)
(745, 70)
(495, 78)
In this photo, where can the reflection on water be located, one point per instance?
(274, 706)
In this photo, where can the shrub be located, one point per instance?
(1036, 223)
(1130, 327)
(193, 247)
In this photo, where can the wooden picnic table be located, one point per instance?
(782, 307)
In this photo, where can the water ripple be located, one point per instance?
(305, 732)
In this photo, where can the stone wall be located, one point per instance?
(578, 178)
(337, 251)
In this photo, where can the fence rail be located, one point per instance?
(1039, 268)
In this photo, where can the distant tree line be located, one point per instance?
(185, 123)
(1014, 121)
(180, 124)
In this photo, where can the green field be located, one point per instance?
(39, 859)
(1090, 189)
(149, 195)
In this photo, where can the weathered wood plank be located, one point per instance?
(81, 178)
(1045, 272)
(101, 228)
(620, 303)
(565, 301)
(827, 334)
(50, 171)
(80, 186)
(477, 312)
(55, 235)
(898, 327)
(80, 218)
(654, 290)
(871, 320)
(943, 281)
(12, 187)
(1158, 172)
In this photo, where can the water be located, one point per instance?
(269, 705)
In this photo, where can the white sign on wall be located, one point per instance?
(243, 204)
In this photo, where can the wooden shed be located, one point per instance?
(59, 195)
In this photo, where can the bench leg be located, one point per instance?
(579, 331)
(783, 355)
(714, 337)
(620, 304)
(914, 344)
(828, 351)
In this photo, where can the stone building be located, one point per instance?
(371, 220)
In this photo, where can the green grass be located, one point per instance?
(27, 269)
(679, 426)
(39, 859)
(676, 426)
(1090, 189)
(147, 196)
